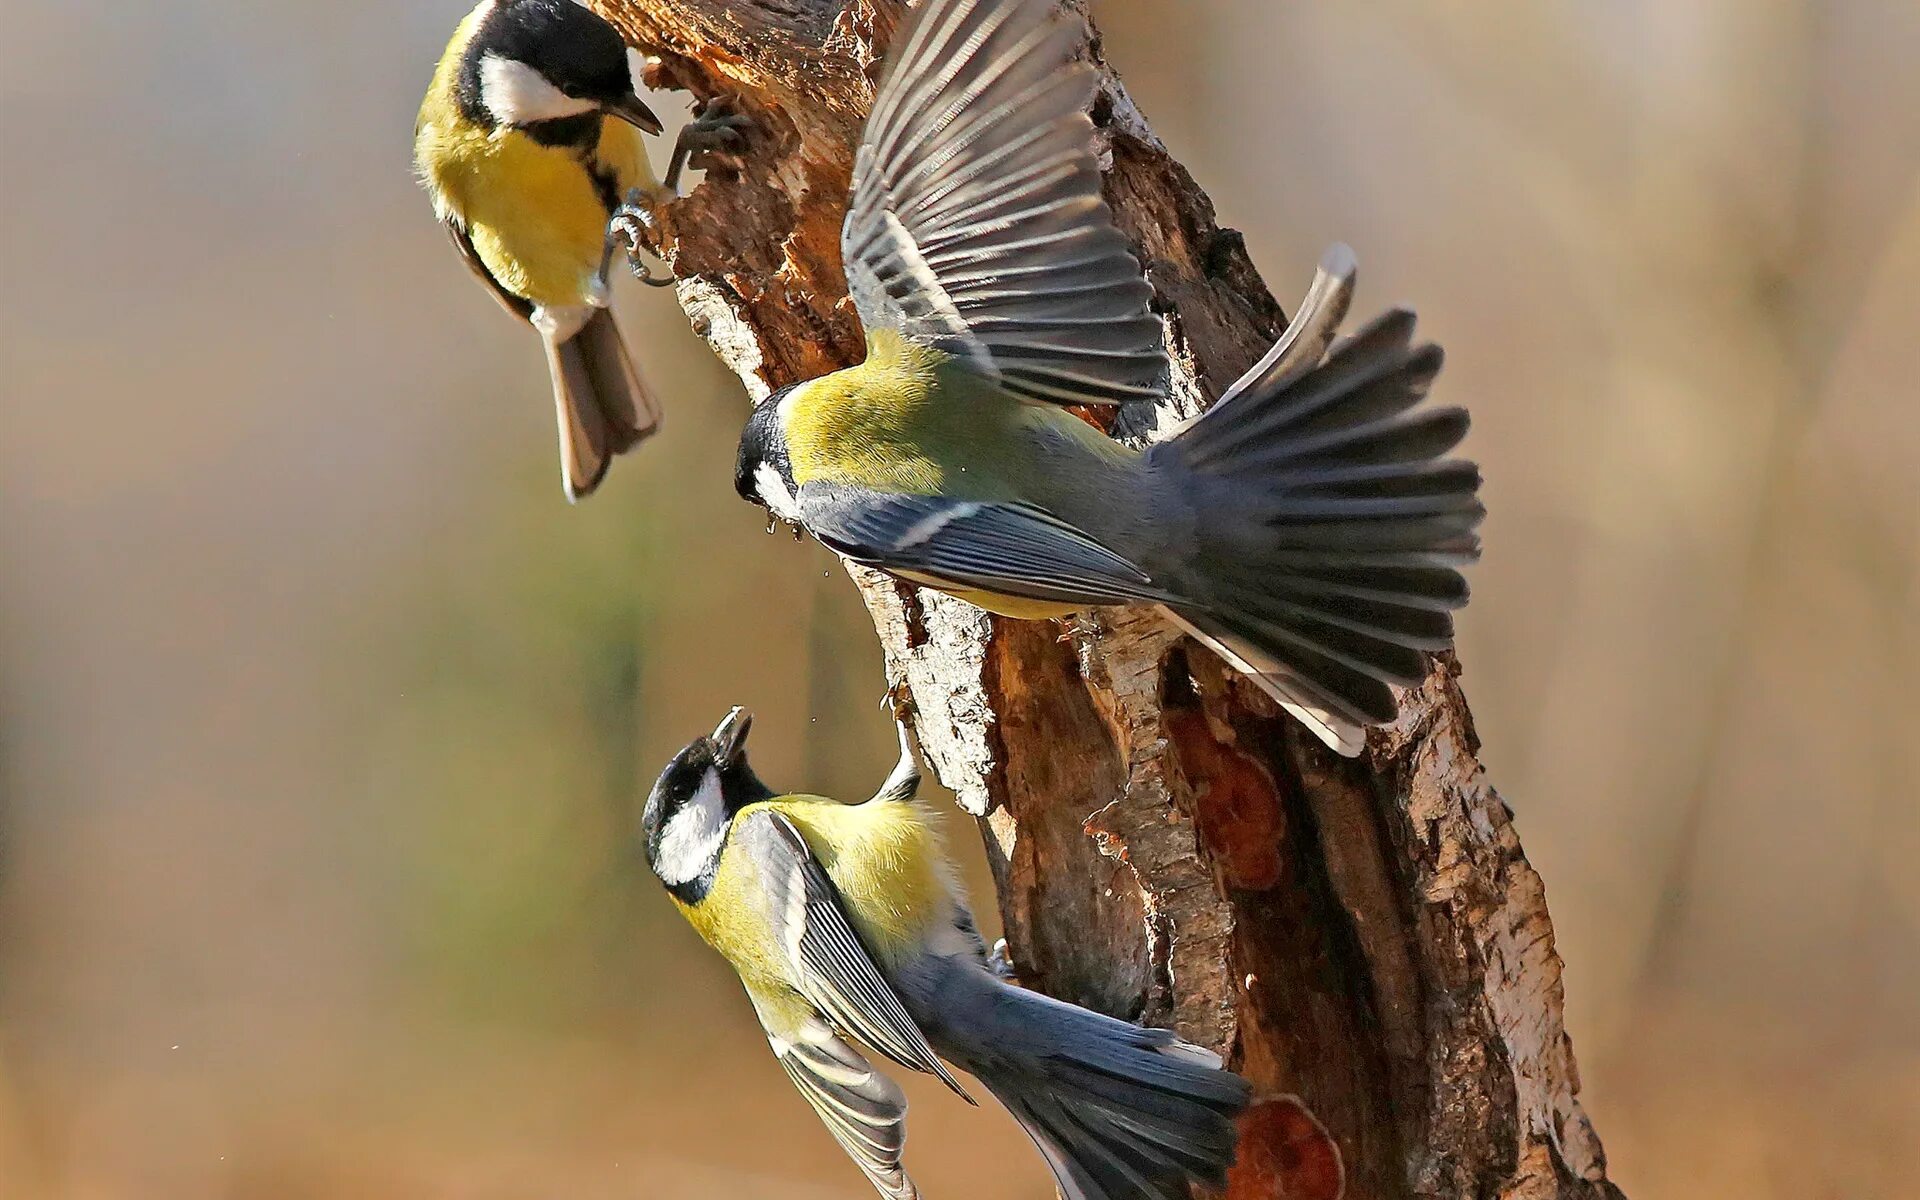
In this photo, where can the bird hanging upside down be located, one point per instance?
(844, 921)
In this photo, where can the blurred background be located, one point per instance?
(323, 718)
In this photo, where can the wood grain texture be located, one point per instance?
(1365, 939)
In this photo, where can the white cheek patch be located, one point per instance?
(691, 841)
(773, 489)
(516, 94)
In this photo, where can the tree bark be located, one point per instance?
(1364, 939)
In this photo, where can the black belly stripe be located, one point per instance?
(605, 185)
(582, 135)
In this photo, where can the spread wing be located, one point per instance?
(1010, 549)
(463, 242)
(863, 1109)
(831, 967)
(977, 225)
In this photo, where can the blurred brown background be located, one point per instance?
(322, 717)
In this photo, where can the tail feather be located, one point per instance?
(1381, 385)
(1160, 1122)
(602, 405)
(1372, 656)
(1448, 477)
(1304, 342)
(1456, 552)
(1298, 673)
(1340, 514)
(1120, 1112)
(1444, 532)
(1342, 391)
(1416, 439)
(1434, 589)
(1417, 628)
(1095, 1167)
(1336, 523)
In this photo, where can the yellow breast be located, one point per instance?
(536, 218)
(1019, 607)
(868, 422)
(886, 863)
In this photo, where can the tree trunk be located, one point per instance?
(1363, 939)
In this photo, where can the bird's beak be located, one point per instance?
(730, 737)
(634, 111)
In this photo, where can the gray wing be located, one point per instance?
(463, 242)
(831, 967)
(1011, 549)
(977, 225)
(863, 1109)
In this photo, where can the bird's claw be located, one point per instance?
(713, 139)
(630, 231)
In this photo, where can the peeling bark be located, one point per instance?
(1364, 939)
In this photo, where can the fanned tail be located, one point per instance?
(1337, 524)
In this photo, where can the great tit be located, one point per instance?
(844, 921)
(528, 141)
(1307, 527)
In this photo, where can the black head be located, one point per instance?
(763, 459)
(684, 826)
(550, 67)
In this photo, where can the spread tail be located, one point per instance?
(602, 405)
(1118, 1111)
(1339, 527)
